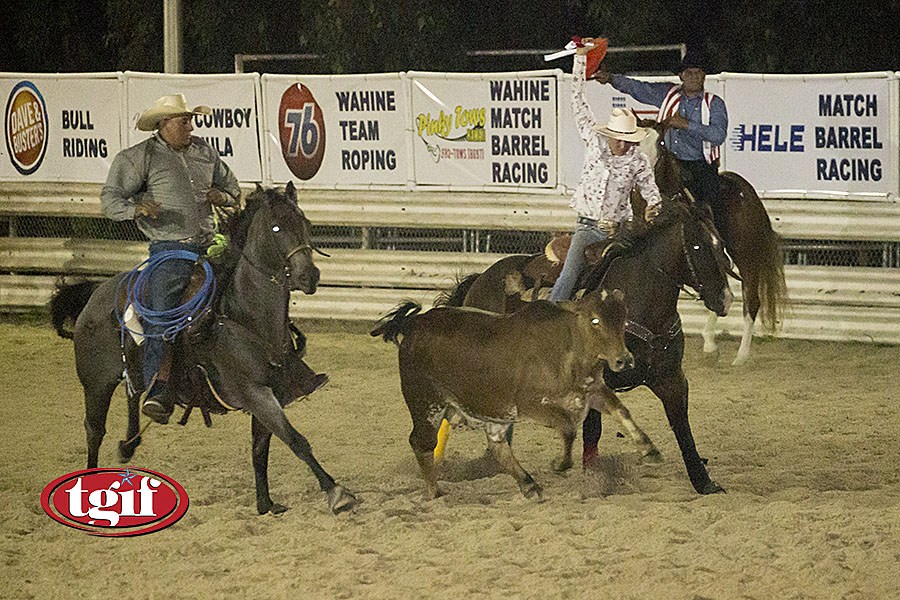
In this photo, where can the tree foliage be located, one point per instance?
(370, 36)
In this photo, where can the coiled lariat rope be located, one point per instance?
(173, 320)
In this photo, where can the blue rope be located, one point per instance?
(175, 319)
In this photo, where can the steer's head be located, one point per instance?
(606, 314)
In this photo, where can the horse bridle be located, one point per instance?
(695, 283)
(285, 259)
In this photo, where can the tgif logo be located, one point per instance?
(115, 502)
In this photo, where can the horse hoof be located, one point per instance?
(740, 360)
(126, 451)
(561, 465)
(652, 457)
(711, 487)
(264, 508)
(340, 500)
(533, 491)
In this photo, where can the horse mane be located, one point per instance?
(457, 295)
(633, 241)
(235, 225)
(672, 212)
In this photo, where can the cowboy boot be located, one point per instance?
(158, 404)
(305, 381)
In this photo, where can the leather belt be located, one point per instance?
(608, 227)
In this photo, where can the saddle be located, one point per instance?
(598, 255)
(194, 381)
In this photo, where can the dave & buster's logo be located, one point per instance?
(302, 131)
(26, 127)
(115, 502)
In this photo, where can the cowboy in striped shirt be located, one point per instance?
(698, 125)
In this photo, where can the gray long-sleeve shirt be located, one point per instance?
(176, 180)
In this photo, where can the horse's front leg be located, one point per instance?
(261, 438)
(263, 405)
(673, 391)
(133, 438)
(709, 333)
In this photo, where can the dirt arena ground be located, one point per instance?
(804, 438)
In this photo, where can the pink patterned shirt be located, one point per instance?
(606, 180)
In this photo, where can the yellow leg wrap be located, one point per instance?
(442, 436)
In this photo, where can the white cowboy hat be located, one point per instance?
(622, 125)
(166, 107)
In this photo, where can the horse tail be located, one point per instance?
(457, 295)
(770, 285)
(67, 303)
(771, 288)
(397, 322)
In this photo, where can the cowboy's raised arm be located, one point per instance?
(652, 93)
(584, 116)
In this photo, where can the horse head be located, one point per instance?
(706, 264)
(279, 239)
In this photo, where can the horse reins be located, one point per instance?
(286, 268)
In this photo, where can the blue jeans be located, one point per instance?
(164, 292)
(584, 236)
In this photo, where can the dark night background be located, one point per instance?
(357, 36)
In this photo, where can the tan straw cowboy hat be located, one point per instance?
(622, 125)
(166, 107)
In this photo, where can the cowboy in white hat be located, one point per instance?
(168, 185)
(613, 166)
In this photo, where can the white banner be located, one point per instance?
(816, 135)
(489, 130)
(232, 129)
(59, 127)
(602, 98)
(336, 130)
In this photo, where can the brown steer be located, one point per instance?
(541, 362)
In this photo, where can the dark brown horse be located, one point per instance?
(749, 239)
(679, 249)
(242, 351)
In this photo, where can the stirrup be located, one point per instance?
(153, 409)
(154, 405)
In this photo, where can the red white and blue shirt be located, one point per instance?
(706, 115)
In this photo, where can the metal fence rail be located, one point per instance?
(391, 246)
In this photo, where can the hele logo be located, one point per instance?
(115, 502)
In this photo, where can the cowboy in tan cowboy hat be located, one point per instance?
(168, 185)
(166, 107)
(613, 166)
(622, 125)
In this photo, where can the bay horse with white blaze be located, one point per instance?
(749, 239)
(241, 350)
